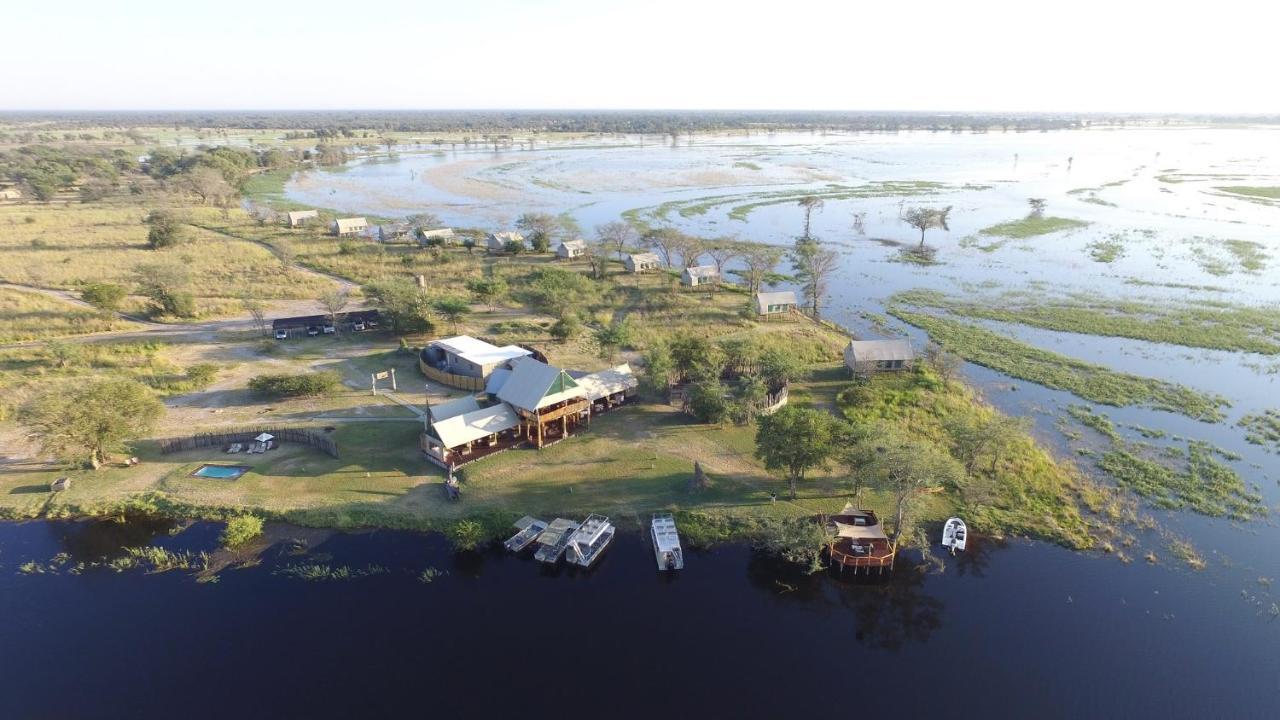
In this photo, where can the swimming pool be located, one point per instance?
(221, 472)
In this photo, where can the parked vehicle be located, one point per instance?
(359, 325)
(329, 329)
(312, 331)
(282, 334)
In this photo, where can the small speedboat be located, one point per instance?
(954, 535)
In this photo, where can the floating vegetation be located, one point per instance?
(1185, 552)
(158, 559)
(322, 572)
(430, 575)
(1209, 324)
(1263, 429)
(1224, 257)
(1086, 380)
(1097, 421)
(1200, 483)
(1106, 251)
(1032, 226)
(1265, 194)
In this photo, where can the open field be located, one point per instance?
(31, 315)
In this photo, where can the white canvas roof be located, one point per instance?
(500, 239)
(453, 408)
(641, 258)
(608, 382)
(702, 271)
(437, 233)
(478, 351)
(462, 429)
(878, 350)
(534, 385)
(765, 299)
(297, 215)
(345, 224)
(573, 245)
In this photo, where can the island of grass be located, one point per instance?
(1031, 227)
(1265, 192)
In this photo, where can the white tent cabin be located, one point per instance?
(497, 242)
(775, 304)
(864, 357)
(437, 236)
(642, 262)
(298, 218)
(570, 249)
(700, 275)
(345, 227)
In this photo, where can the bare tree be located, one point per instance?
(257, 311)
(814, 265)
(333, 302)
(1037, 207)
(615, 236)
(944, 362)
(860, 222)
(665, 240)
(760, 260)
(809, 203)
(924, 219)
(690, 248)
(722, 250)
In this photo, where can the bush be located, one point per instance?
(202, 375)
(241, 529)
(104, 296)
(286, 386)
(166, 229)
(466, 534)
(566, 328)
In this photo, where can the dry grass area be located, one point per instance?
(66, 245)
(27, 315)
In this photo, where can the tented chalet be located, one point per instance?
(549, 403)
(468, 356)
(700, 275)
(393, 232)
(570, 249)
(609, 388)
(776, 304)
(344, 227)
(438, 236)
(298, 218)
(642, 262)
(865, 357)
(458, 438)
(497, 242)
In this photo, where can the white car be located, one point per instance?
(329, 329)
(282, 334)
(359, 325)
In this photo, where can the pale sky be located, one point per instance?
(974, 55)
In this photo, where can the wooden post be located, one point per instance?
(393, 379)
(373, 382)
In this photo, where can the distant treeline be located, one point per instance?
(333, 122)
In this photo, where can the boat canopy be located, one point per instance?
(665, 535)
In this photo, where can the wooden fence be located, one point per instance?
(315, 439)
(462, 382)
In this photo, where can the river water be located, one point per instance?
(1020, 629)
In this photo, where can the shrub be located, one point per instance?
(304, 385)
(466, 534)
(202, 374)
(241, 529)
(105, 296)
(566, 328)
(166, 229)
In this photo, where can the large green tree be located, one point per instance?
(402, 303)
(907, 468)
(83, 422)
(795, 440)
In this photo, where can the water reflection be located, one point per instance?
(94, 540)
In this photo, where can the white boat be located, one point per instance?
(954, 535)
(666, 542)
(588, 542)
(553, 541)
(529, 528)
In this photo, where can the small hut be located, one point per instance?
(344, 227)
(700, 275)
(570, 249)
(497, 242)
(865, 357)
(642, 262)
(438, 236)
(775, 304)
(393, 232)
(298, 218)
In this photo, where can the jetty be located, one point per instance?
(857, 540)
